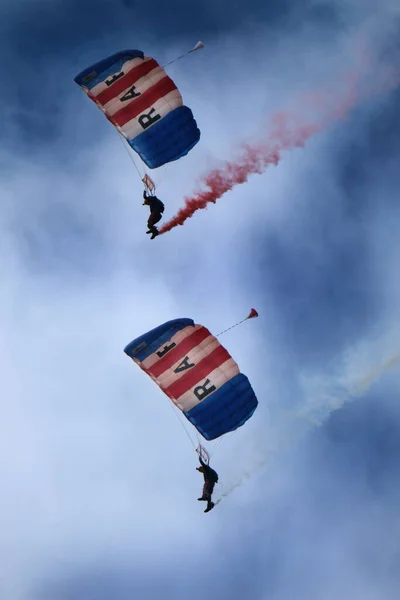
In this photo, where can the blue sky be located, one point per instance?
(99, 484)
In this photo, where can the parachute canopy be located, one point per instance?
(144, 104)
(198, 374)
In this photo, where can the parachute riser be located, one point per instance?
(253, 314)
(198, 46)
(231, 327)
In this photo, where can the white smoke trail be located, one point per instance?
(324, 395)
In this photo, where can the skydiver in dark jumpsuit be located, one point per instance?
(210, 479)
(156, 211)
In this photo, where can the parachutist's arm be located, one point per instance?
(145, 196)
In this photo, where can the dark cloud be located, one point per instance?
(360, 447)
(375, 144)
(43, 31)
(46, 45)
(41, 38)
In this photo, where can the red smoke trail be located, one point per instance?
(288, 130)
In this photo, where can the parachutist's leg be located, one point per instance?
(154, 233)
(157, 217)
(206, 492)
(154, 218)
(151, 224)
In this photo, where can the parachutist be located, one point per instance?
(210, 479)
(156, 211)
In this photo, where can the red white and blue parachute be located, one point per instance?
(144, 104)
(198, 374)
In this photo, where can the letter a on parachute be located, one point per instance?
(198, 375)
(144, 104)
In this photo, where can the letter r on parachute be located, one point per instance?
(147, 119)
(202, 391)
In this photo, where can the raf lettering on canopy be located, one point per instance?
(166, 349)
(115, 77)
(202, 391)
(130, 94)
(147, 119)
(184, 365)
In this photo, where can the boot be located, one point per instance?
(210, 506)
(154, 233)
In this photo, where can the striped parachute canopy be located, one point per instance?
(198, 374)
(144, 104)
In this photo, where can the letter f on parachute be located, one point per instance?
(198, 374)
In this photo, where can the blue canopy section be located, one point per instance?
(167, 140)
(226, 409)
(96, 73)
(146, 344)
